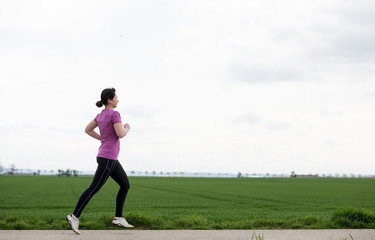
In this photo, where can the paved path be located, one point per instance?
(340, 234)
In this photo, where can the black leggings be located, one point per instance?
(106, 168)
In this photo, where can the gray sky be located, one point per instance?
(217, 86)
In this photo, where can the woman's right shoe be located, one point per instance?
(121, 222)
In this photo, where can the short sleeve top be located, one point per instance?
(110, 142)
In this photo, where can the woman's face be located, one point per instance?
(114, 101)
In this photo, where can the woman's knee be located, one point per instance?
(125, 185)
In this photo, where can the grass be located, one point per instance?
(257, 237)
(346, 238)
(42, 202)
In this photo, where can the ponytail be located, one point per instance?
(107, 94)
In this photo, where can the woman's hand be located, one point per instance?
(121, 130)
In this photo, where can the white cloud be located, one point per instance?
(277, 126)
(250, 118)
(261, 74)
(332, 113)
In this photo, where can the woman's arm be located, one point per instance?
(90, 130)
(120, 130)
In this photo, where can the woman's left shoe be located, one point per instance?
(74, 223)
(121, 222)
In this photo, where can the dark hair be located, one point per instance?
(107, 94)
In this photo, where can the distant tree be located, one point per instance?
(75, 173)
(12, 169)
(293, 174)
(62, 172)
(239, 175)
(68, 172)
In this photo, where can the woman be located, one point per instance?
(111, 130)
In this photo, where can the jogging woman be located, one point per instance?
(111, 130)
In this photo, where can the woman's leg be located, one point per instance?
(105, 167)
(119, 175)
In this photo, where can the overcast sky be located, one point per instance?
(213, 86)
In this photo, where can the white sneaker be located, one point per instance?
(74, 223)
(121, 222)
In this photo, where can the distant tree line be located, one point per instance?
(12, 170)
(68, 172)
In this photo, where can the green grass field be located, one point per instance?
(42, 202)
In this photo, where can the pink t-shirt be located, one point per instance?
(110, 146)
